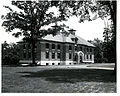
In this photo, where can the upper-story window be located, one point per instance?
(87, 49)
(58, 46)
(75, 48)
(84, 49)
(53, 46)
(70, 47)
(29, 46)
(90, 49)
(24, 46)
(80, 48)
(47, 45)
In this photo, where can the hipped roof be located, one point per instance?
(67, 39)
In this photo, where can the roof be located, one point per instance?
(84, 42)
(67, 39)
(63, 38)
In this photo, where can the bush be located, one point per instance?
(10, 59)
(101, 60)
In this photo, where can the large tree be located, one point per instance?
(34, 15)
(30, 18)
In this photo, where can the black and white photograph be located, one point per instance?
(58, 46)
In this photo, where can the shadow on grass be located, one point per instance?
(72, 75)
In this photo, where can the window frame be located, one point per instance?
(47, 55)
(47, 45)
(58, 47)
(70, 55)
(70, 47)
(53, 46)
(53, 55)
(58, 55)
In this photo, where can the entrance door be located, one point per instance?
(80, 59)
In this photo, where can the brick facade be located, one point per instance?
(48, 52)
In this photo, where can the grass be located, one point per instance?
(47, 80)
(105, 66)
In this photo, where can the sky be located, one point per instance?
(87, 30)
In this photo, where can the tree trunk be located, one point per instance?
(33, 53)
(113, 8)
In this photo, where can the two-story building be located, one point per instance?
(58, 50)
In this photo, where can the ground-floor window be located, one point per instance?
(75, 57)
(70, 55)
(47, 55)
(29, 54)
(90, 56)
(53, 55)
(24, 55)
(87, 57)
(58, 55)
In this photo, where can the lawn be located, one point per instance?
(52, 80)
(104, 66)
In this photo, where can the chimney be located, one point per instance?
(72, 31)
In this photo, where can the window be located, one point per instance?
(70, 47)
(29, 46)
(58, 46)
(87, 49)
(75, 48)
(24, 55)
(90, 49)
(90, 56)
(53, 63)
(75, 57)
(47, 45)
(58, 55)
(53, 46)
(47, 55)
(70, 56)
(35, 46)
(24, 46)
(29, 54)
(47, 63)
(87, 56)
(58, 63)
(53, 55)
(84, 49)
(80, 48)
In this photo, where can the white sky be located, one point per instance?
(87, 30)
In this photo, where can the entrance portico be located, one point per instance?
(80, 57)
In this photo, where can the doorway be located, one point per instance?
(80, 59)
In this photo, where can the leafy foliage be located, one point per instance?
(34, 15)
(10, 54)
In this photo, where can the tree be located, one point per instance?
(30, 20)
(34, 15)
(99, 51)
(10, 54)
(102, 9)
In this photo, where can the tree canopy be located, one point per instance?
(33, 15)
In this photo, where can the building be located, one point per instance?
(58, 50)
